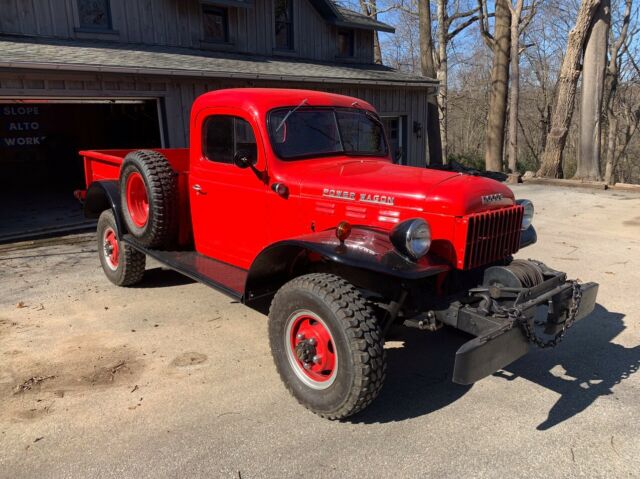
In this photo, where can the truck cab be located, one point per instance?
(288, 201)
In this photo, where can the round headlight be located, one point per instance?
(527, 218)
(412, 238)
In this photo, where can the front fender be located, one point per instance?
(103, 195)
(365, 249)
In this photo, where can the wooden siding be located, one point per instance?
(179, 23)
(177, 95)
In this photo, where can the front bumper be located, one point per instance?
(499, 340)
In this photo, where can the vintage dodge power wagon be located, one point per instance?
(288, 201)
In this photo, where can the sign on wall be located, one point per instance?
(21, 126)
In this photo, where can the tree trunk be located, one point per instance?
(377, 51)
(429, 70)
(370, 9)
(608, 98)
(609, 172)
(442, 75)
(514, 98)
(593, 73)
(499, 87)
(567, 85)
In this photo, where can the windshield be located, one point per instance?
(312, 132)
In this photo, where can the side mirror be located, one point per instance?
(244, 159)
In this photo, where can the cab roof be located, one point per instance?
(261, 100)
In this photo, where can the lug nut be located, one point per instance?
(307, 365)
(312, 341)
(300, 336)
(316, 359)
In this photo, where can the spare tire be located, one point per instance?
(148, 193)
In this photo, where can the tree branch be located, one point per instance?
(483, 22)
(464, 25)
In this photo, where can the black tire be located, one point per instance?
(357, 341)
(129, 267)
(160, 183)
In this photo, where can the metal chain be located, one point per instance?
(516, 316)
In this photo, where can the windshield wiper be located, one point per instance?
(289, 113)
(373, 117)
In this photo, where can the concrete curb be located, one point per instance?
(594, 185)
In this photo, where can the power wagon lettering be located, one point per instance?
(363, 197)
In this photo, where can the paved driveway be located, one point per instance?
(172, 379)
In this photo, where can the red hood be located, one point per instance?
(419, 189)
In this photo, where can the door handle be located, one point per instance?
(198, 189)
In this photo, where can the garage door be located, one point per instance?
(39, 164)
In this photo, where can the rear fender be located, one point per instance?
(103, 195)
(366, 251)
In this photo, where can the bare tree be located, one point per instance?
(370, 9)
(449, 25)
(593, 73)
(518, 25)
(567, 86)
(500, 43)
(428, 67)
(610, 89)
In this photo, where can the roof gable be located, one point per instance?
(344, 17)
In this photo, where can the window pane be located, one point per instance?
(283, 13)
(224, 136)
(283, 36)
(94, 14)
(345, 43)
(283, 10)
(313, 132)
(245, 139)
(215, 24)
(360, 133)
(218, 139)
(305, 132)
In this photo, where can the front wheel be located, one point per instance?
(327, 345)
(123, 265)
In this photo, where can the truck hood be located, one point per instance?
(384, 183)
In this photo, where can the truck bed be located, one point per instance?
(105, 164)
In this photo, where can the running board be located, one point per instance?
(220, 276)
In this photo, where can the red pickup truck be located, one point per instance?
(288, 201)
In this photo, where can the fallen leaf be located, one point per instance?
(21, 305)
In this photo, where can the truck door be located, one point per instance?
(227, 202)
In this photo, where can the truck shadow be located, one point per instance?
(584, 367)
(587, 365)
(419, 371)
(162, 278)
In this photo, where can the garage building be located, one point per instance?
(78, 74)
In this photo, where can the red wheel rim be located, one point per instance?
(111, 248)
(311, 350)
(137, 199)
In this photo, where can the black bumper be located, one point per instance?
(499, 340)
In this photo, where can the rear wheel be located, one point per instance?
(149, 198)
(327, 345)
(123, 265)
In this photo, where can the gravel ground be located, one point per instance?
(171, 379)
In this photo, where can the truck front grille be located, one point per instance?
(492, 235)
